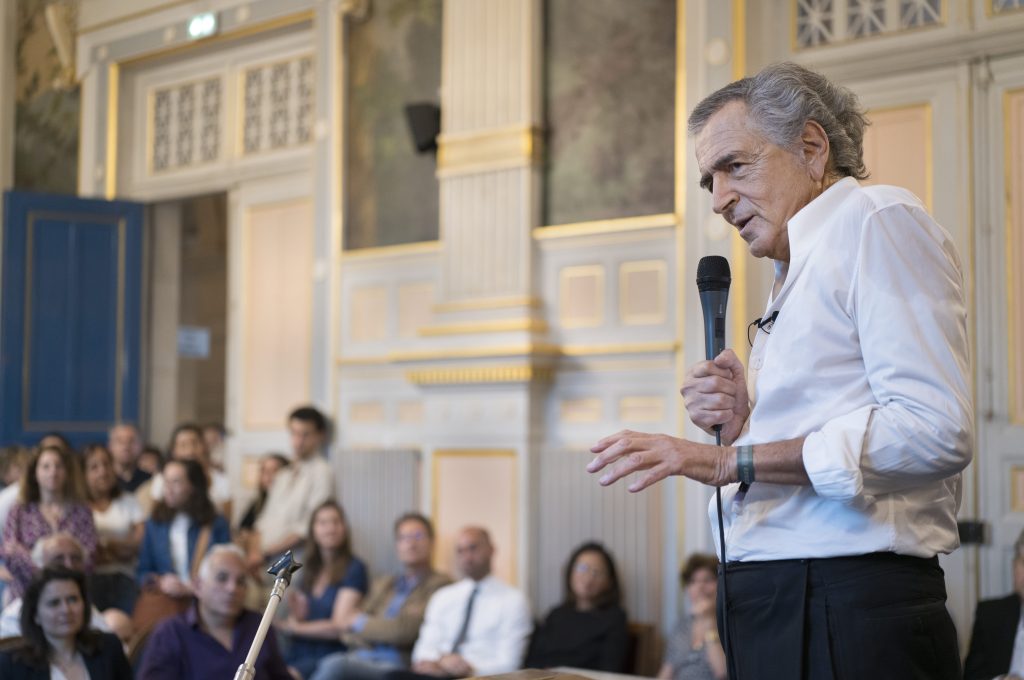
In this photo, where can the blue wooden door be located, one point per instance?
(70, 310)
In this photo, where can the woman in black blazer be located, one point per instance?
(56, 634)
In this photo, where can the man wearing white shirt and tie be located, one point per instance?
(997, 641)
(844, 438)
(477, 626)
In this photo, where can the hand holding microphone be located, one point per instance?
(715, 390)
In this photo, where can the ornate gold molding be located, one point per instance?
(524, 349)
(381, 252)
(606, 226)
(479, 151)
(488, 303)
(458, 375)
(495, 326)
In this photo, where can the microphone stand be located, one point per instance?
(283, 570)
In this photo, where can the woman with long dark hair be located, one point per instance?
(56, 638)
(187, 443)
(119, 524)
(333, 583)
(183, 525)
(588, 630)
(51, 500)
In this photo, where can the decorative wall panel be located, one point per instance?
(642, 292)
(277, 105)
(414, 307)
(898, 149)
(185, 124)
(629, 525)
(581, 296)
(479, 488)
(278, 311)
(826, 22)
(375, 488)
(487, 234)
(1014, 150)
(368, 314)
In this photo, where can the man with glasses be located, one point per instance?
(380, 635)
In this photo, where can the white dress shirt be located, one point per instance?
(868, 360)
(499, 627)
(1017, 660)
(297, 490)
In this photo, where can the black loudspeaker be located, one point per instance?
(424, 121)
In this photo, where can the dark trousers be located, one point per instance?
(870, 617)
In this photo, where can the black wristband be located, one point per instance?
(745, 464)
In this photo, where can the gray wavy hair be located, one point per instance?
(782, 98)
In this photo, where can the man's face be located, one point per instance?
(413, 543)
(306, 439)
(64, 552)
(473, 554)
(124, 444)
(222, 593)
(756, 185)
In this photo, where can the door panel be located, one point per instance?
(69, 335)
(1000, 460)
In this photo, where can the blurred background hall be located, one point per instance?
(468, 231)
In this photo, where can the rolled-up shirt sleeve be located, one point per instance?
(907, 304)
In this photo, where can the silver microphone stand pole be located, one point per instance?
(283, 570)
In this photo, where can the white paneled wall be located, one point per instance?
(629, 525)
(375, 488)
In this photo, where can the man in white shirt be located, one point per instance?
(854, 419)
(997, 641)
(297, 490)
(477, 626)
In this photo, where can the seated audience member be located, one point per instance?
(13, 462)
(119, 525)
(57, 641)
(187, 443)
(477, 626)
(58, 440)
(588, 630)
(297, 490)
(51, 500)
(331, 584)
(60, 550)
(181, 529)
(380, 634)
(270, 464)
(211, 639)
(997, 641)
(214, 435)
(151, 460)
(125, 444)
(694, 650)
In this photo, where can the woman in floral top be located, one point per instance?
(51, 500)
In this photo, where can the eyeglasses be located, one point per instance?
(582, 568)
(761, 324)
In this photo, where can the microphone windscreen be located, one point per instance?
(713, 273)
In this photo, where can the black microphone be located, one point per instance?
(713, 279)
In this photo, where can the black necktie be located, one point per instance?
(464, 628)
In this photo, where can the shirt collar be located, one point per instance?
(805, 227)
